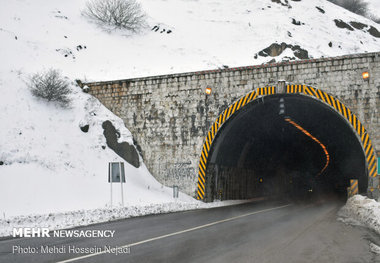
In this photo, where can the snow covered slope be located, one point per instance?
(374, 8)
(48, 164)
(204, 34)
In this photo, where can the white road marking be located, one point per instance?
(175, 233)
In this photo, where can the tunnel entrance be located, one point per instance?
(283, 145)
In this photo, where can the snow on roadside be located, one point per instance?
(360, 210)
(55, 221)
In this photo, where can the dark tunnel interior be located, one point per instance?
(257, 153)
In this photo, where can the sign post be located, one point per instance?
(121, 184)
(175, 191)
(116, 174)
(110, 177)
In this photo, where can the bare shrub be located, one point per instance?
(51, 86)
(119, 14)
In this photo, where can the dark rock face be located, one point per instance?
(358, 25)
(275, 50)
(124, 150)
(138, 147)
(339, 23)
(281, 3)
(84, 128)
(374, 32)
(299, 52)
(320, 9)
(296, 22)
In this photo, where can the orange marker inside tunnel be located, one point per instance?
(315, 139)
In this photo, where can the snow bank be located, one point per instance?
(360, 210)
(56, 221)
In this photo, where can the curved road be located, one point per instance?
(252, 232)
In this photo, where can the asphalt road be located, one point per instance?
(253, 232)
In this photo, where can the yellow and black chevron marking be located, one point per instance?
(347, 114)
(223, 117)
(354, 187)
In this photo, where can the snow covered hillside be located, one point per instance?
(203, 34)
(47, 164)
(373, 9)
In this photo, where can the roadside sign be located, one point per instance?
(378, 165)
(114, 172)
(175, 191)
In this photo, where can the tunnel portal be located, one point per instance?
(284, 145)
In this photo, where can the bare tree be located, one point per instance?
(120, 14)
(51, 86)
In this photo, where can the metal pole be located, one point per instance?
(110, 174)
(206, 113)
(121, 183)
(216, 182)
